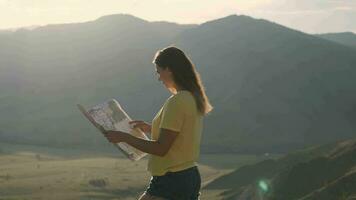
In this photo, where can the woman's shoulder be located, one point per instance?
(183, 99)
(183, 95)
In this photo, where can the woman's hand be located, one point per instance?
(145, 127)
(115, 136)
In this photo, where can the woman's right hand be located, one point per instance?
(145, 127)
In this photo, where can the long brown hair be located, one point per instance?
(184, 75)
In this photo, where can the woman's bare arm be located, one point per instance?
(158, 147)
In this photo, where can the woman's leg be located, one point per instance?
(146, 196)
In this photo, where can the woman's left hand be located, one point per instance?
(115, 136)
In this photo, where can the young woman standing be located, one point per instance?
(176, 130)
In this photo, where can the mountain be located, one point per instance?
(345, 38)
(322, 172)
(273, 88)
(46, 71)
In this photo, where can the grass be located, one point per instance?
(39, 175)
(229, 161)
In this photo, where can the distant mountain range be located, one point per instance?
(324, 172)
(345, 38)
(274, 89)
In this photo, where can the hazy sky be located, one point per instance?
(312, 16)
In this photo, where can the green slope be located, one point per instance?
(322, 172)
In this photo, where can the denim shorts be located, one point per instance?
(181, 185)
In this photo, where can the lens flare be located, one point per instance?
(263, 185)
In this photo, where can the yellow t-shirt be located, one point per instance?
(179, 113)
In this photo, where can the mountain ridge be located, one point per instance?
(343, 38)
(273, 89)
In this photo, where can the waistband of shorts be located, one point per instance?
(183, 171)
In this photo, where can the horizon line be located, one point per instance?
(33, 27)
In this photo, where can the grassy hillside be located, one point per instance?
(322, 172)
(332, 173)
(31, 172)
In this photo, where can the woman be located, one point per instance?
(175, 131)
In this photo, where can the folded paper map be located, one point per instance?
(110, 116)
